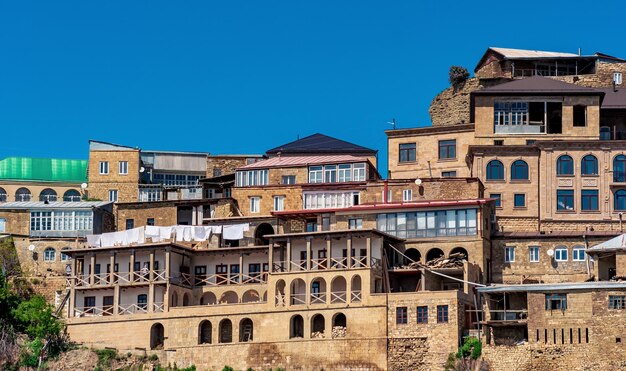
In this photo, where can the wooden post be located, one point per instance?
(151, 272)
(270, 258)
(288, 255)
(308, 254)
(112, 268)
(349, 245)
(116, 299)
(241, 268)
(329, 252)
(368, 251)
(92, 269)
(131, 273)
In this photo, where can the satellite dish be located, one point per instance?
(83, 186)
(418, 181)
(31, 248)
(142, 169)
(550, 252)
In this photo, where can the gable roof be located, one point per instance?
(43, 169)
(538, 85)
(613, 98)
(320, 144)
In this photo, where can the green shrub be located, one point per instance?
(228, 368)
(472, 347)
(457, 75)
(29, 356)
(105, 357)
(153, 358)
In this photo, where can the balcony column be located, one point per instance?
(308, 254)
(167, 265)
(270, 258)
(72, 302)
(349, 252)
(288, 255)
(112, 268)
(368, 251)
(116, 300)
(131, 273)
(151, 272)
(329, 253)
(151, 298)
(241, 268)
(92, 269)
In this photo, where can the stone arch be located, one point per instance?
(296, 327)
(262, 230)
(413, 255)
(174, 299)
(298, 292)
(338, 290)
(246, 330)
(318, 291)
(280, 293)
(250, 296)
(205, 332)
(3, 195)
(185, 300)
(229, 297)
(226, 331)
(460, 250)
(433, 254)
(318, 325)
(355, 287)
(157, 336)
(339, 325)
(208, 298)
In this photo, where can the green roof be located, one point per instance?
(43, 169)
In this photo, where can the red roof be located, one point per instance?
(291, 161)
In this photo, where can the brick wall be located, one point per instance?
(127, 185)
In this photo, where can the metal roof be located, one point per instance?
(522, 53)
(320, 143)
(31, 205)
(613, 98)
(291, 161)
(548, 287)
(614, 244)
(43, 169)
(538, 85)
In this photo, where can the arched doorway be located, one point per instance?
(208, 298)
(296, 327)
(246, 330)
(157, 336)
(250, 296)
(226, 331)
(185, 300)
(318, 291)
(339, 325)
(262, 230)
(298, 292)
(174, 300)
(338, 288)
(205, 332)
(280, 293)
(318, 325)
(433, 254)
(413, 255)
(460, 250)
(229, 297)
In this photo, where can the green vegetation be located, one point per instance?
(467, 358)
(457, 75)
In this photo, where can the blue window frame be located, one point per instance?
(556, 301)
(498, 198)
(589, 165)
(565, 199)
(495, 170)
(519, 200)
(442, 313)
(589, 200)
(447, 149)
(619, 199)
(565, 165)
(422, 314)
(619, 168)
(401, 315)
(519, 170)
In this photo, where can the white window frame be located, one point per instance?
(558, 254)
(46, 258)
(104, 167)
(113, 192)
(3, 225)
(358, 172)
(279, 203)
(581, 252)
(509, 254)
(123, 167)
(255, 204)
(316, 174)
(533, 254)
(407, 195)
(617, 78)
(355, 223)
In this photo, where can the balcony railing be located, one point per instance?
(133, 309)
(323, 264)
(94, 311)
(337, 297)
(318, 298)
(223, 279)
(356, 297)
(104, 279)
(508, 315)
(298, 299)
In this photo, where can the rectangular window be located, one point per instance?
(447, 149)
(578, 254)
(617, 302)
(142, 301)
(344, 173)
(326, 222)
(556, 301)
(104, 167)
(580, 115)
(422, 314)
(89, 303)
(497, 197)
(234, 273)
(150, 221)
(330, 173)
(498, 142)
(358, 172)
(355, 223)
(217, 172)
(407, 195)
(448, 174)
(249, 178)
(255, 204)
(130, 224)
(534, 254)
(401, 315)
(3, 225)
(519, 200)
(589, 200)
(311, 226)
(113, 195)
(565, 199)
(509, 254)
(279, 203)
(617, 78)
(560, 254)
(442, 313)
(316, 174)
(407, 152)
(123, 167)
(288, 179)
(428, 223)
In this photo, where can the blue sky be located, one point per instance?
(243, 77)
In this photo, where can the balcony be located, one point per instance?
(224, 279)
(117, 278)
(323, 264)
(107, 310)
(508, 315)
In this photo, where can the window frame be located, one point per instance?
(279, 203)
(515, 199)
(565, 194)
(619, 195)
(491, 166)
(104, 168)
(407, 195)
(585, 162)
(407, 152)
(559, 298)
(255, 204)
(533, 253)
(422, 314)
(587, 197)
(122, 167)
(509, 254)
(563, 164)
(442, 314)
(520, 166)
(447, 148)
(402, 315)
(616, 302)
(578, 250)
(576, 116)
(558, 254)
(498, 202)
(49, 254)
(113, 192)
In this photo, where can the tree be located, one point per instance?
(36, 319)
(457, 75)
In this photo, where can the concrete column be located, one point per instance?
(329, 251)
(72, 302)
(116, 300)
(92, 269)
(151, 271)
(349, 289)
(349, 245)
(288, 255)
(270, 257)
(151, 298)
(308, 254)
(167, 265)
(131, 273)
(240, 269)
(74, 272)
(287, 298)
(112, 269)
(368, 249)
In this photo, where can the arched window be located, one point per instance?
(64, 256)
(560, 254)
(296, 327)
(413, 255)
(619, 168)
(460, 250)
(619, 200)
(519, 170)
(250, 296)
(49, 254)
(433, 254)
(339, 326)
(338, 289)
(318, 291)
(318, 325)
(495, 170)
(71, 195)
(174, 299)
(246, 330)
(208, 298)
(185, 300)
(48, 194)
(565, 165)
(205, 332)
(226, 331)
(22, 195)
(157, 336)
(229, 297)
(3, 195)
(298, 292)
(589, 165)
(280, 293)
(356, 289)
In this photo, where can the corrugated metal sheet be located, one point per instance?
(43, 169)
(31, 205)
(180, 162)
(616, 243)
(288, 161)
(542, 287)
(521, 53)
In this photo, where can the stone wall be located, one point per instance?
(223, 165)
(127, 185)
